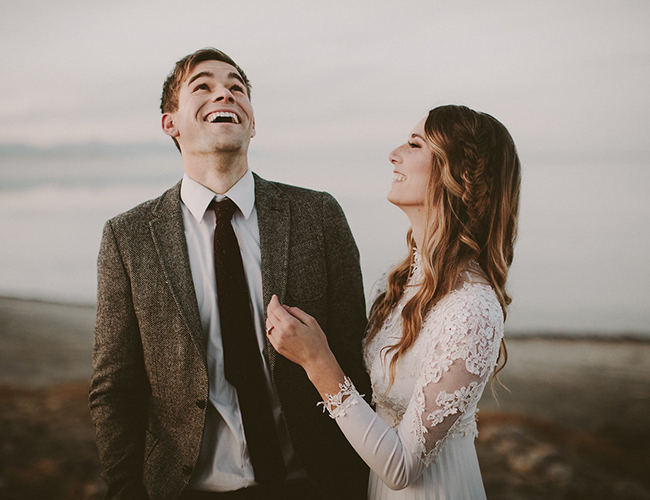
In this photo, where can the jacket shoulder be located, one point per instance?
(295, 194)
(146, 211)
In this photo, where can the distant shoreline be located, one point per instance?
(48, 301)
(641, 337)
(578, 381)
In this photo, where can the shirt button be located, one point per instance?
(200, 403)
(187, 470)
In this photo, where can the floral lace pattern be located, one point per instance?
(336, 404)
(453, 403)
(440, 380)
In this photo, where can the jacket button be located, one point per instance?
(187, 470)
(200, 403)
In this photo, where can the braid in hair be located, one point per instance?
(472, 165)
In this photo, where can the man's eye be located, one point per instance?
(237, 88)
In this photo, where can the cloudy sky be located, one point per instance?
(568, 78)
(336, 86)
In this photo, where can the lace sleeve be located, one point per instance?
(336, 404)
(460, 356)
(461, 344)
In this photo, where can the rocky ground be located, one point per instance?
(573, 426)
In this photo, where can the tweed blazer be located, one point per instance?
(149, 389)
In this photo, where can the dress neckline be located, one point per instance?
(472, 272)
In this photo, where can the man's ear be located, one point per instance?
(253, 129)
(168, 125)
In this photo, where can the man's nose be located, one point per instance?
(223, 94)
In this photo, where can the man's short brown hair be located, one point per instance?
(172, 85)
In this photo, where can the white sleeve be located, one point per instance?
(458, 362)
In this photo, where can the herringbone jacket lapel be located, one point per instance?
(273, 215)
(167, 231)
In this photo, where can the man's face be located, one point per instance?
(214, 112)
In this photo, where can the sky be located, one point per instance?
(568, 78)
(336, 86)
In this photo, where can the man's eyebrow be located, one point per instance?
(208, 74)
(236, 76)
(199, 75)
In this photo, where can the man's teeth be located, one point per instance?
(222, 116)
(398, 177)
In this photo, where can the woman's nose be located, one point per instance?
(393, 156)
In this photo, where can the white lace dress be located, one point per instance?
(419, 443)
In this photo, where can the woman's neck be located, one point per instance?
(417, 216)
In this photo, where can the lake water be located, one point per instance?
(581, 262)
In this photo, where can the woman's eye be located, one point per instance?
(202, 86)
(413, 145)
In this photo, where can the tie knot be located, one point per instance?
(223, 209)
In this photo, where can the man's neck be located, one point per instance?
(217, 173)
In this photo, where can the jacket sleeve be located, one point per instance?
(119, 389)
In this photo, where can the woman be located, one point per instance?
(436, 334)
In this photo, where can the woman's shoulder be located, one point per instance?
(473, 291)
(471, 305)
(474, 295)
(469, 325)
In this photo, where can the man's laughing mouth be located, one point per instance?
(222, 117)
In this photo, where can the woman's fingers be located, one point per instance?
(277, 311)
(286, 314)
(284, 323)
(276, 314)
(294, 333)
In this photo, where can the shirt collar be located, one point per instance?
(197, 197)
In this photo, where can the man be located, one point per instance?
(188, 397)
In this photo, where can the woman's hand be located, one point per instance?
(297, 336)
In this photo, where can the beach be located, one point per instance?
(572, 424)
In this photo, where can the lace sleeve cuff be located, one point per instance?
(346, 397)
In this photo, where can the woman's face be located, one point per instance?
(412, 164)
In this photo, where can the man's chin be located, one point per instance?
(223, 147)
(231, 145)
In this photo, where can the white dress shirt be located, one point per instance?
(224, 463)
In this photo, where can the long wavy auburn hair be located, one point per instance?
(472, 204)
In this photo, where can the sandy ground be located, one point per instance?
(574, 424)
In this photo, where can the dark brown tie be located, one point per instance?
(242, 357)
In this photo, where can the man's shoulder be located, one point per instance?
(295, 194)
(147, 210)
